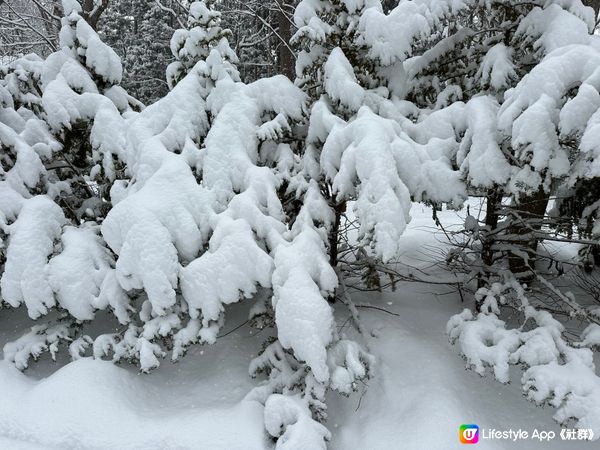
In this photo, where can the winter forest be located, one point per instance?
(292, 225)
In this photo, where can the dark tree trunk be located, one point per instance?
(333, 239)
(286, 58)
(493, 202)
(92, 12)
(526, 222)
(338, 209)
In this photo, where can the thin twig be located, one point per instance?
(231, 331)
(379, 309)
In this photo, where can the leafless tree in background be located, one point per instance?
(92, 10)
(262, 32)
(32, 26)
(29, 26)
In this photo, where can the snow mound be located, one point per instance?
(77, 405)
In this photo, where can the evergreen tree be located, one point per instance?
(494, 75)
(476, 94)
(64, 148)
(194, 43)
(484, 53)
(222, 190)
(351, 109)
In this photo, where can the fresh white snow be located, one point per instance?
(418, 397)
(134, 235)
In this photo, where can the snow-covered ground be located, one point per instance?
(417, 399)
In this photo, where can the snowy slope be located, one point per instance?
(419, 396)
(90, 404)
(422, 393)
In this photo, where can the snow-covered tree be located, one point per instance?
(195, 223)
(323, 26)
(513, 85)
(352, 153)
(24, 141)
(460, 66)
(195, 43)
(505, 92)
(222, 191)
(356, 148)
(90, 123)
(479, 53)
(63, 142)
(221, 234)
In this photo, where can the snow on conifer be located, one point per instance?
(202, 36)
(557, 372)
(509, 127)
(64, 139)
(365, 157)
(223, 191)
(541, 113)
(525, 138)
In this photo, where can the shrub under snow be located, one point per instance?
(557, 372)
(223, 191)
